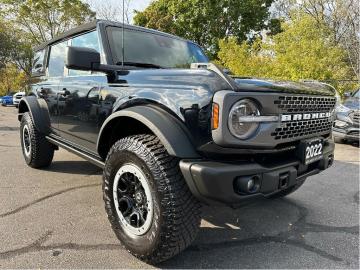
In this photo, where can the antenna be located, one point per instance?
(122, 34)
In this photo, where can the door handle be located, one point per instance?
(64, 92)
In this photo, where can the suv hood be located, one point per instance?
(283, 86)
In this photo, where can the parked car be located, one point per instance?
(347, 119)
(17, 97)
(170, 130)
(8, 99)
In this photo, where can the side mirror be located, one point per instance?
(347, 94)
(81, 58)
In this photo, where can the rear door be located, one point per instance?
(48, 88)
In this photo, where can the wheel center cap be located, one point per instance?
(139, 197)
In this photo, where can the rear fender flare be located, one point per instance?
(39, 112)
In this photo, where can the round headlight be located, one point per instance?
(242, 129)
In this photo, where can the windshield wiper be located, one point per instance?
(137, 64)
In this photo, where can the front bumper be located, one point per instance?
(212, 182)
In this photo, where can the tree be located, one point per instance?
(342, 18)
(301, 51)
(11, 79)
(45, 19)
(207, 21)
(111, 10)
(15, 48)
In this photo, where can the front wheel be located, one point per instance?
(149, 205)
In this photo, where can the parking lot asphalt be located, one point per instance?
(55, 218)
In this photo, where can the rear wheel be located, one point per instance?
(37, 151)
(149, 205)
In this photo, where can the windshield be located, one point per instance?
(154, 50)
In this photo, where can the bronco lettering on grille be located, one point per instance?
(304, 116)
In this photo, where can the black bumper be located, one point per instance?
(212, 182)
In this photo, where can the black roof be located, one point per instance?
(77, 30)
(92, 25)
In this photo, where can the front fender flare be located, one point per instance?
(39, 112)
(170, 131)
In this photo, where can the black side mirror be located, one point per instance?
(81, 58)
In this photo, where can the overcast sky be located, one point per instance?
(100, 5)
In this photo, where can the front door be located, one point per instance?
(79, 104)
(79, 112)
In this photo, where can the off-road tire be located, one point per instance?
(176, 215)
(288, 190)
(41, 151)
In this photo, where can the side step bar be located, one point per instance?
(94, 160)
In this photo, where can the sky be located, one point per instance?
(116, 4)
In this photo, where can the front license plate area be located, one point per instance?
(311, 150)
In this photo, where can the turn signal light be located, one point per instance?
(215, 116)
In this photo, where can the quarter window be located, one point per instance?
(57, 59)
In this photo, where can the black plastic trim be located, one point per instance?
(212, 182)
(77, 151)
(162, 124)
(39, 113)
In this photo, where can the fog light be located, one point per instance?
(247, 184)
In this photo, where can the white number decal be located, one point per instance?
(313, 150)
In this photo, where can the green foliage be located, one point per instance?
(11, 79)
(302, 50)
(207, 21)
(45, 19)
(27, 23)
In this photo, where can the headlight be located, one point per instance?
(342, 109)
(243, 129)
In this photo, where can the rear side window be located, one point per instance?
(57, 59)
(38, 63)
(88, 40)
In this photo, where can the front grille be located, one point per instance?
(302, 128)
(306, 127)
(305, 104)
(355, 116)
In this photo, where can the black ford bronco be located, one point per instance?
(170, 129)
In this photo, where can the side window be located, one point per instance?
(88, 40)
(57, 59)
(38, 62)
